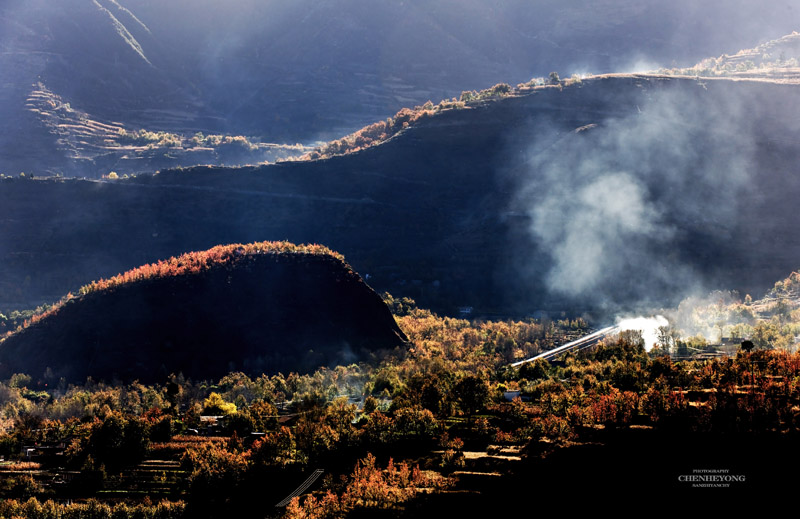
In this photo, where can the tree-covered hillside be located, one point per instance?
(257, 308)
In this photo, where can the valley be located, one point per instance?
(469, 428)
(301, 260)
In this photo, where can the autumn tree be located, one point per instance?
(115, 442)
(427, 390)
(274, 449)
(215, 476)
(472, 394)
(216, 405)
(314, 439)
(536, 370)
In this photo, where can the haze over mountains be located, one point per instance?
(304, 70)
(600, 195)
(539, 206)
(609, 193)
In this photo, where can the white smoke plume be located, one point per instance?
(648, 326)
(613, 205)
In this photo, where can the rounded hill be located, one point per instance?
(261, 307)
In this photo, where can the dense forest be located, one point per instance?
(405, 431)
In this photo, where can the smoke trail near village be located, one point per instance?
(648, 326)
(617, 206)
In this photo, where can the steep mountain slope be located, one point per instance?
(263, 307)
(308, 69)
(604, 193)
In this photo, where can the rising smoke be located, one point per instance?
(620, 207)
(648, 326)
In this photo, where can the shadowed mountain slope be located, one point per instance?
(604, 193)
(262, 307)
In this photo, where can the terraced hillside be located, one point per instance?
(89, 147)
(308, 70)
(777, 60)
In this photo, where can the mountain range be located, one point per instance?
(76, 72)
(614, 191)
